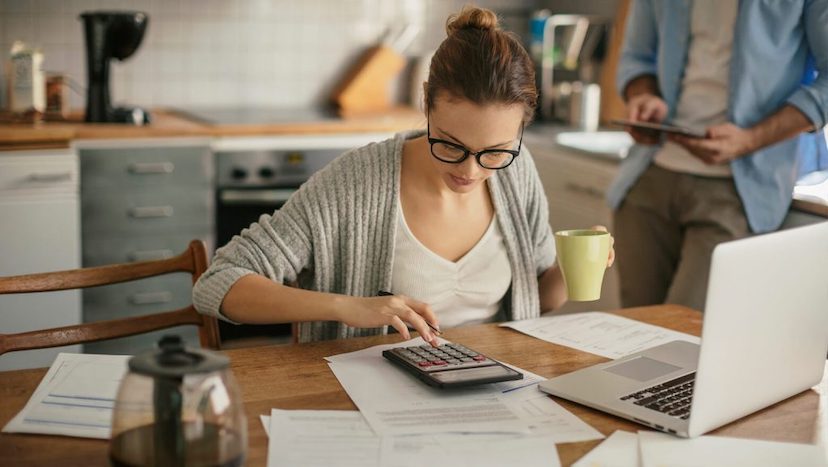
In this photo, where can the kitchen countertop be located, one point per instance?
(167, 123)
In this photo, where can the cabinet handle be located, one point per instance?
(144, 168)
(147, 255)
(50, 177)
(589, 191)
(150, 298)
(274, 197)
(143, 212)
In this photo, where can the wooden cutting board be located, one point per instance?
(366, 87)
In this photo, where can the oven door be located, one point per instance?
(237, 209)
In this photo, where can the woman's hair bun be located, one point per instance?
(471, 17)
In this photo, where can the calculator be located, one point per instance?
(450, 365)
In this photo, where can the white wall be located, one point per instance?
(199, 53)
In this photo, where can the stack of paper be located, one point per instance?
(599, 333)
(295, 437)
(651, 449)
(395, 402)
(75, 398)
(404, 422)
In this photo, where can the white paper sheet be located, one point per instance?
(469, 451)
(75, 397)
(658, 449)
(620, 449)
(599, 333)
(300, 435)
(546, 418)
(396, 403)
(321, 438)
(265, 419)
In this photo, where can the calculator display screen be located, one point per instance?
(453, 376)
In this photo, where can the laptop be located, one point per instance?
(764, 339)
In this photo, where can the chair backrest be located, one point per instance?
(193, 260)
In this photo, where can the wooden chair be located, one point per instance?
(193, 260)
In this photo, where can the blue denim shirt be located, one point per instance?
(772, 43)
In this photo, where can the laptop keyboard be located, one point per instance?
(672, 397)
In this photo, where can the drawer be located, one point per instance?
(563, 216)
(36, 173)
(151, 295)
(152, 212)
(139, 168)
(102, 249)
(580, 175)
(578, 197)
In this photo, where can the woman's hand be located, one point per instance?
(392, 310)
(646, 108)
(611, 258)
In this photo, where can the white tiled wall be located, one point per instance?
(286, 53)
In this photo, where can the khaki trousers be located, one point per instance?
(665, 232)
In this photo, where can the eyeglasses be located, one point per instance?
(453, 153)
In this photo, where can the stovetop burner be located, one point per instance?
(260, 115)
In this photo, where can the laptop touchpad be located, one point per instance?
(642, 369)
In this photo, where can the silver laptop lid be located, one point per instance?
(765, 331)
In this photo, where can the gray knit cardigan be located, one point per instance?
(336, 234)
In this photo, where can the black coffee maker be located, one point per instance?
(110, 34)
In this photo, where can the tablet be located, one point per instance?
(662, 127)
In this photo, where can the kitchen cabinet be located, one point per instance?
(143, 200)
(40, 212)
(575, 183)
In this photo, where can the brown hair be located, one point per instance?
(482, 63)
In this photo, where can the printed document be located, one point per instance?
(321, 438)
(395, 402)
(599, 333)
(75, 398)
(296, 437)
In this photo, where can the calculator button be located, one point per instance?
(424, 364)
(453, 361)
(438, 362)
(478, 358)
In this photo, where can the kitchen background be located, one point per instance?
(124, 193)
(263, 53)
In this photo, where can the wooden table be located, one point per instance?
(297, 377)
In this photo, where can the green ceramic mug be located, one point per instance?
(582, 257)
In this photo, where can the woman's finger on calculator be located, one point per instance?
(401, 328)
(424, 310)
(411, 317)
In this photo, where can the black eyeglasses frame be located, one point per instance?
(467, 152)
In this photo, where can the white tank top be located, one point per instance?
(468, 291)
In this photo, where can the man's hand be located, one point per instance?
(723, 144)
(646, 108)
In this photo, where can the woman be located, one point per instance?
(453, 220)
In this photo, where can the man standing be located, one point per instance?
(735, 70)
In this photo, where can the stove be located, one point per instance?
(260, 115)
